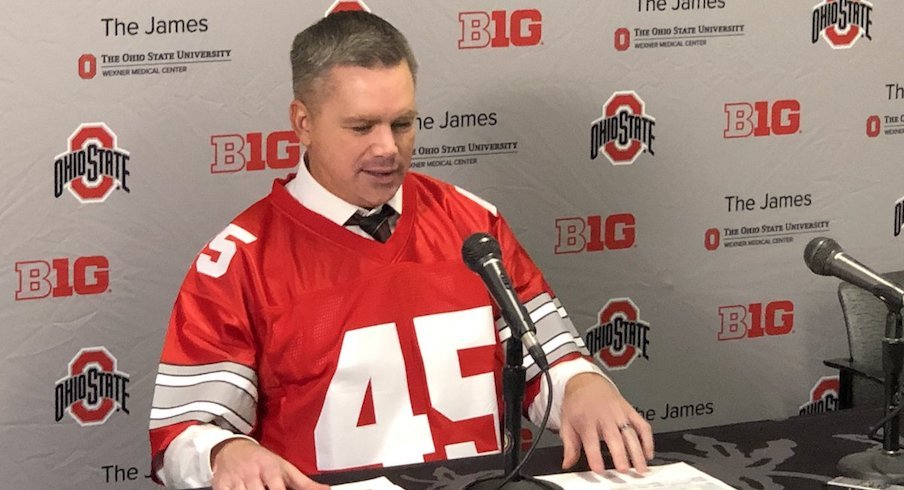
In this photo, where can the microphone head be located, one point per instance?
(478, 247)
(819, 253)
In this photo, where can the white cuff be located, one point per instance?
(560, 374)
(186, 461)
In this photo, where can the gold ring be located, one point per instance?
(625, 426)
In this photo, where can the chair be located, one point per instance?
(860, 375)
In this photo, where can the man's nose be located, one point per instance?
(383, 143)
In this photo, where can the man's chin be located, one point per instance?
(380, 197)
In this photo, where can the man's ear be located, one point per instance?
(300, 117)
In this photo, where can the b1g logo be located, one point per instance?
(345, 6)
(759, 119)
(254, 151)
(594, 234)
(841, 22)
(500, 28)
(93, 166)
(823, 396)
(899, 216)
(40, 279)
(620, 336)
(756, 320)
(93, 389)
(624, 131)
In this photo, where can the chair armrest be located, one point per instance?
(847, 370)
(847, 366)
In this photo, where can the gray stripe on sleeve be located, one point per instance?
(232, 367)
(198, 416)
(226, 394)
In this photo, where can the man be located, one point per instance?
(333, 325)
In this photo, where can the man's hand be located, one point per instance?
(240, 464)
(592, 410)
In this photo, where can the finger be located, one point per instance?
(298, 481)
(273, 479)
(635, 451)
(571, 447)
(590, 440)
(228, 482)
(254, 483)
(616, 444)
(275, 483)
(645, 432)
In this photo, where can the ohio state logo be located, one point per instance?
(823, 396)
(94, 388)
(624, 131)
(841, 22)
(620, 336)
(346, 5)
(93, 166)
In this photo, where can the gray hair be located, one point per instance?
(351, 38)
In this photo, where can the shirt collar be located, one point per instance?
(312, 195)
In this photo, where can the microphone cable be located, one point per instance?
(874, 430)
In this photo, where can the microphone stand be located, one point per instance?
(885, 465)
(513, 381)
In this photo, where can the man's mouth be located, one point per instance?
(380, 173)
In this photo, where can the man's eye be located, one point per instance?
(401, 126)
(361, 129)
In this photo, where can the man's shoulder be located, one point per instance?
(252, 222)
(451, 196)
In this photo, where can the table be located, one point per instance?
(797, 453)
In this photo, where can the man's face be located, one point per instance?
(359, 132)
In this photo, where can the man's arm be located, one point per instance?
(239, 463)
(593, 410)
(587, 407)
(206, 455)
(187, 459)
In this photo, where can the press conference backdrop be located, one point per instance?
(663, 161)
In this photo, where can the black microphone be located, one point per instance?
(825, 257)
(481, 253)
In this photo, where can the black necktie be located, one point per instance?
(376, 225)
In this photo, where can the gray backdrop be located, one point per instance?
(632, 144)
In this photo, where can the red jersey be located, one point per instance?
(336, 351)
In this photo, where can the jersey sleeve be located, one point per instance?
(555, 331)
(207, 371)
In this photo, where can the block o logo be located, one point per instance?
(93, 167)
(345, 6)
(873, 126)
(841, 22)
(94, 388)
(620, 337)
(622, 39)
(624, 131)
(712, 239)
(823, 396)
(87, 66)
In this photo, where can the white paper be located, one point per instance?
(381, 483)
(678, 476)
(855, 484)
